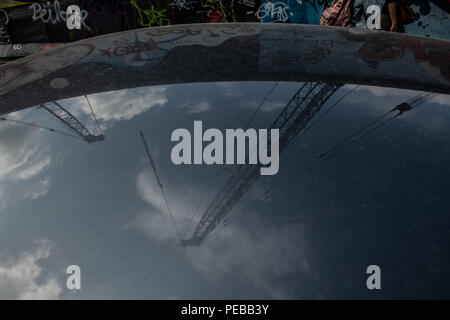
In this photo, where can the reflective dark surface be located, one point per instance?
(382, 200)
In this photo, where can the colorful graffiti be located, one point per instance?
(217, 10)
(108, 16)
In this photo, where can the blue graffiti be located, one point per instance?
(292, 11)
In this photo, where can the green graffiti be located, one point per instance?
(152, 16)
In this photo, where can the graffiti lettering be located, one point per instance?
(248, 3)
(6, 17)
(217, 11)
(279, 11)
(182, 4)
(54, 15)
(137, 48)
(153, 16)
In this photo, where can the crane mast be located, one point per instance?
(302, 107)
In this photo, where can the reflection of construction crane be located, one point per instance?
(66, 118)
(306, 102)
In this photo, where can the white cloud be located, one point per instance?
(263, 259)
(20, 278)
(383, 92)
(33, 169)
(20, 156)
(2, 200)
(443, 99)
(124, 104)
(273, 105)
(156, 222)
(230, 89)
(199, 107)
(39, 190)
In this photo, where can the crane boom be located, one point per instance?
(305, 103)
(69, 120)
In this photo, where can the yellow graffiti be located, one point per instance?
(13, 3)
(153, 16)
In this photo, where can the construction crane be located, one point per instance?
(69, 120)
(302, 107)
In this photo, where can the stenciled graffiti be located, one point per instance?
(152, 16)
(278, 11)
(52, 13)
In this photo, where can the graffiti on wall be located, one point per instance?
(293, 11)
(53, 13)
(277, 12)
(182, 4)
(151, 16)
(108, 16)
(432, 19)
(147, 49)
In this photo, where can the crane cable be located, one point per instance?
(322, 115)
(93, 114)
(323, 157)
(304, 133)
(40, 127)
(208, 188)
(160, 186)
(260, 105)
(340, 146)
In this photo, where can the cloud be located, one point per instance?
(230, 89)
(199, 107)
(41, 189)
(266, 259)
(20, 278)
(443, 99)
(22, 160)
(33, 169)
(273, 105)
(156, 222)
(3, 203)
(20, 156)
(124, 104)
